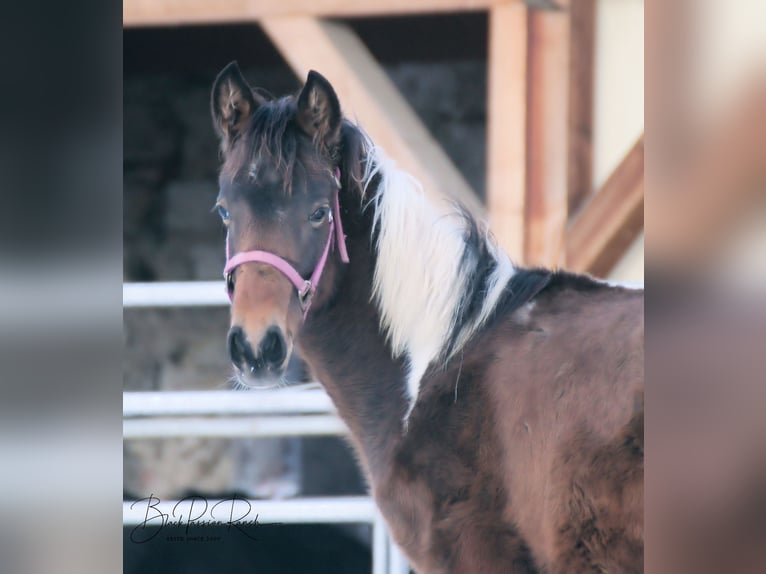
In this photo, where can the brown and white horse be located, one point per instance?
(497, 411)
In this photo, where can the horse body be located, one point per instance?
(499, 417)
(514, 459)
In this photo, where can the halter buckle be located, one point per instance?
(305, 295)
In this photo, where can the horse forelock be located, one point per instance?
(270, 138)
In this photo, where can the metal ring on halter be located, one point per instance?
(230, 283)
(305, 295)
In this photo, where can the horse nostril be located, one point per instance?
(273, 348)
(237, 346)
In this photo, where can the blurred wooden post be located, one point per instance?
(581, 96)
(547, 142)
(506, 126)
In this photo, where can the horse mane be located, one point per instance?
(438, 275)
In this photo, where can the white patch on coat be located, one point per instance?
(421, 278)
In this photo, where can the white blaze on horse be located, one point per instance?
(497, 411)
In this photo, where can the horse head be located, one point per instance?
(278, 198)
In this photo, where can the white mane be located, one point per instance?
(423, 270)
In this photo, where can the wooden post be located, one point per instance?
(547, 142)
(506, 126)
(581, 97)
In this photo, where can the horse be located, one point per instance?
(496, 410)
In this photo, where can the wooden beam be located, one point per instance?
(368, 96)
(581, 98)
(179, 12)
(606, 226)
(506, 126)
(547, 129)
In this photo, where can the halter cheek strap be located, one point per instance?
(305, 287)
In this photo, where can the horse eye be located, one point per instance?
(319, 215)
(223, 212)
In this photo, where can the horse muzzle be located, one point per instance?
(264, 361)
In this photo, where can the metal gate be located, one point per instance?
(259, 414)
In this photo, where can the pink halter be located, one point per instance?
(305, 287)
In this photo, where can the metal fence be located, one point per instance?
(240, 414)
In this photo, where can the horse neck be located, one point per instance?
(345, 349)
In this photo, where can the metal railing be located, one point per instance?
(244, 414)
(175, 294)
(247, 414)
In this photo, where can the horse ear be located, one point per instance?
(318, 112)
(232, 103)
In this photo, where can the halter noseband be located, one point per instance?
(305, 287)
